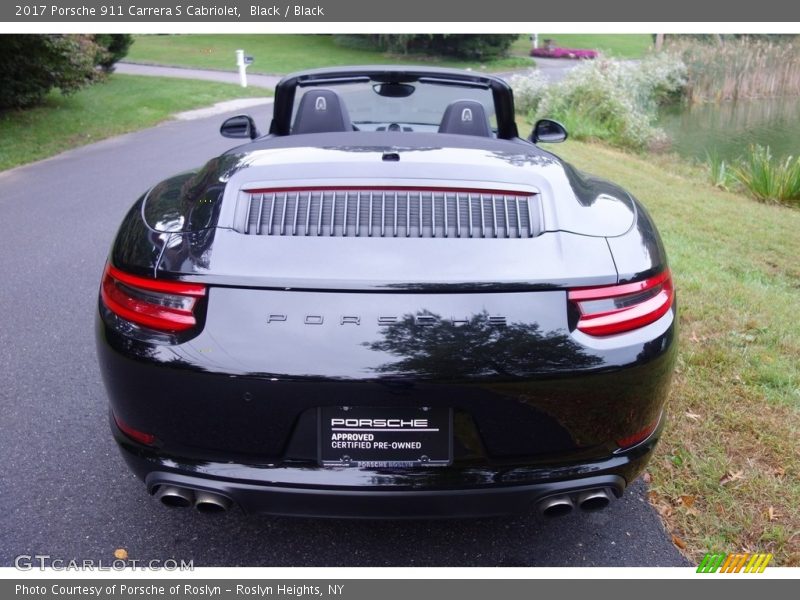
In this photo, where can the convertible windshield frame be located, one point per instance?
(286, 89)
(424, 107)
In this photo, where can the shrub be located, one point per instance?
(479, 47)
(34, 64)
(469, 46)
(528, 91)
(609, 100)
(719, 170)
(113, 48)
(768, 179)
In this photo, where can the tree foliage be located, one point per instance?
(469, 46)
(33, 65)
(114, 47)
(476, 348)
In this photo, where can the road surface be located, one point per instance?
(65, 491)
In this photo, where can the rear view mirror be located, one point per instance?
(393, 89)
(240, 126)
(548, 131)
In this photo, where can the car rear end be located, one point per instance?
(388, 349)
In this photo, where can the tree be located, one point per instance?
(32, 65)
(470, 46)
(114, 47)
(476, 347)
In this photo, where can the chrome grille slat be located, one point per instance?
(358, 213)
(308, 213)
(333, 212)
(530, 218)
(296, 207)
(383, 214)
(494, 218)
(505, 213)
(458, 215)
(344, 212)
(419, 200)
(469, 206)
(395, 214)
(483, 224)
(433, 214)
(271, 213)
(444, 205)
(408, 214)
(260, 211)
(346, 198)
(370, 213)
(249, 210)
(283, 213)
(319, 217)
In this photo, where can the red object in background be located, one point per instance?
(574, 53)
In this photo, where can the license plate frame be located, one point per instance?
(385, 437)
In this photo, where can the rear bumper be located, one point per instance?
(459, 491)
(519, 434)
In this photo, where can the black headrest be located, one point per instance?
(465, 117)
(321, 111)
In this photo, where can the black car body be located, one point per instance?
(389, 306)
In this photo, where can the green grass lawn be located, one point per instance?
(123, 103)
(279, 54)
(621, 45)
(726, 477)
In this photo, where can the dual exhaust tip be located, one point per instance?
(553, 506)
(588, 500)
(204, 502)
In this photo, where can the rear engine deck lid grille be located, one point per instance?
(412, 212)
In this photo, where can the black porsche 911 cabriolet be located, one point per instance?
(389, 305)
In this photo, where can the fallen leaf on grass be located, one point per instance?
(665, 510)
(685, 500)
(772, 514)
(678, 542)
(692, 416)
(728, 477)
(647, 478)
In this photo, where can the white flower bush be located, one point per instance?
(605, 99)
(528, 90)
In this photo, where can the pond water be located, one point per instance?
(729, 128)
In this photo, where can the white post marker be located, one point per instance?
(242, 63)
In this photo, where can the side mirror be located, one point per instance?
(548, 131)
(240, 126)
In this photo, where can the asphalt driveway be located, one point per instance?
(64, 490)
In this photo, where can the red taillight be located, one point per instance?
(618, 308)
(638, 437)
(148, 439)
(154, 303)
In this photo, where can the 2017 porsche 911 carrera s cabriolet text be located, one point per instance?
(389, 305)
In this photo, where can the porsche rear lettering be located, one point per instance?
(384, 321)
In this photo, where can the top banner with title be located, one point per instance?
(409, 11)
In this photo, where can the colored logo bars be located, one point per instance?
(734, 563)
